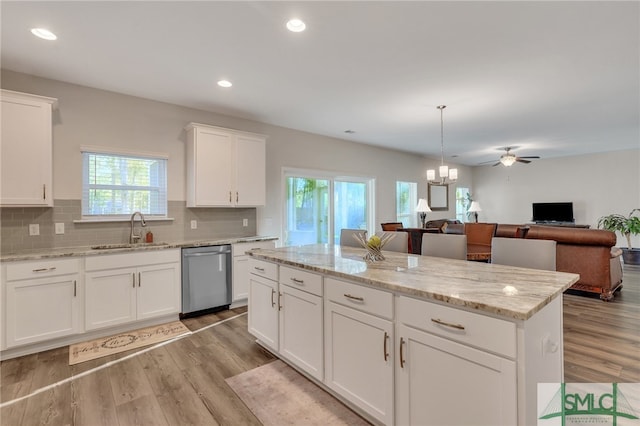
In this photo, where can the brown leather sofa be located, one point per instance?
(588, 252)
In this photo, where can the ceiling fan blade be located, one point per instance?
(535, 156)
(520, 160)
(497, 164)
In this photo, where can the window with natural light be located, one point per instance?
(115, 184)
(463, 201)
(406, 202)
(319, 205)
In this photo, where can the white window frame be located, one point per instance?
(162, 188)
(413, 201)
(331, 177)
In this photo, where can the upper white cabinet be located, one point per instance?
(225, 168)
(26, 150)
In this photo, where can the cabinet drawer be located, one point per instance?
(477, 330)
(41, 268)
(359, 297)
(240, 249)
(302, 280)
(263, 269)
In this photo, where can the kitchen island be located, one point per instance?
(412, 339)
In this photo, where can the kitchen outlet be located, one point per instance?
(34, 229)
(59, 228)
(245, 222)
(194, 224)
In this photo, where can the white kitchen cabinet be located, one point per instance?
(26, 150)
(43, 300)
(359, 347)
(225, 168)
(436, 375)
(240, 269)
(300, 326)
(123, 288)
(263, 312)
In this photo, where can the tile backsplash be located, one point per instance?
(212, 223)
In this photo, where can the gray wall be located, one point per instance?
(87, 116)
(597, 184)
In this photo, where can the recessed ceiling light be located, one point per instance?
(43, 33)
(296, 25)
(224, 83)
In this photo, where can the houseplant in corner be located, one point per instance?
(627, 226)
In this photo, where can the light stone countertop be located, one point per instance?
(506, 291)
(37, 254)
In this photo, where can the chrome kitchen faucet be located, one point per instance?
(136, 238)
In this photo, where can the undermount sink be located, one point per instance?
(126, 245)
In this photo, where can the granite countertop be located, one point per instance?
(120, 248)
(506, 291)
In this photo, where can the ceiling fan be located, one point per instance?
(507, 159)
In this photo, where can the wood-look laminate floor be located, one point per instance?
(183, 382)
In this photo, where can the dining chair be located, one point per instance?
(399, 243)
(479, 237)
(450, 246)
(347, 239)
(524, 253)
(391, 226)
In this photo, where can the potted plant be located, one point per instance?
(627, 226)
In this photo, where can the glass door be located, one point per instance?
(307, 211)
(351, 206)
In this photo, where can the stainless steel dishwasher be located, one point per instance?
(206, 279)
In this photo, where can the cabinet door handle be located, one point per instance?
(279, 301)
(236, 196)
(258, 269)
(447, 324)
(297, 281)
(273, 304)
(133, 279)
(75, 288)
(401, 353)
(53, 268)
(44, 191)
(384, 350)
(139, 279)
(229, 196)
(358, 298)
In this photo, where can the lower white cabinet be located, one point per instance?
(240, 270)
(122, 288)
(359, 348)
(263, 303)
(43, 301)
(301, 330)
(440, 382)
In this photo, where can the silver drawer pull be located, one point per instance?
(53, 268)
(358, 298)
(258, 269)
(447, 324)
(297, 281)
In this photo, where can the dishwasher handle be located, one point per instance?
(209, 253)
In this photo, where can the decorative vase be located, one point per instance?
(374, 248)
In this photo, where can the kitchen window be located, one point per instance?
(406, 202)
(117, 184)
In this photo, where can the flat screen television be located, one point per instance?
(553, 212)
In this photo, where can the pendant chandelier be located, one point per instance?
(443, 170)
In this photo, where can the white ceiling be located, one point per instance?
(551, 78)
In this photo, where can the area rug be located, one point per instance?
(278, 395)
(81, 352)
